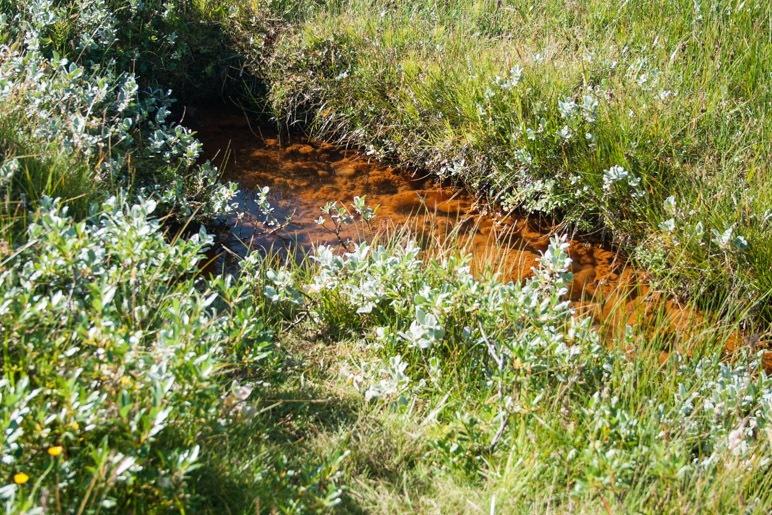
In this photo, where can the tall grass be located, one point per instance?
(647, 421)
(385, 376)
(682, 91)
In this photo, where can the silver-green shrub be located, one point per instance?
(111, 353)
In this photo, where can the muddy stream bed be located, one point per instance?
(305, 175)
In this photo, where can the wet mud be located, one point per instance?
(304, 175)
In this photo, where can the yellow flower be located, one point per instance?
(55, 450)
(20, 478)
(75, 426)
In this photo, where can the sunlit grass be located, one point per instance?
(396, 374)
(682, 91)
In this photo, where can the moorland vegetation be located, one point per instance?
(385, 377)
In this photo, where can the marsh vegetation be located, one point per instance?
(388, 367)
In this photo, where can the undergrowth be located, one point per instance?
(380, 376)
(648, 121)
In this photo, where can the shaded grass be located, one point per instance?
(399, 459)
(41, 172)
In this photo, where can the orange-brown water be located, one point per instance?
(303, 176)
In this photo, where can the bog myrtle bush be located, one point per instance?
(95, 113)
(111, 357)
(538, 364)
(166, 43)
(413, 310)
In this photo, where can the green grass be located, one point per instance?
(387, 380)
(618, 441)
(683, 97)
(42, 171)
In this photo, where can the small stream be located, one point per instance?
(304, 175)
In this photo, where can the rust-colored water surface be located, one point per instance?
(303, 176)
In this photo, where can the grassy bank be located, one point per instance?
(648, 120)
(382, 377)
